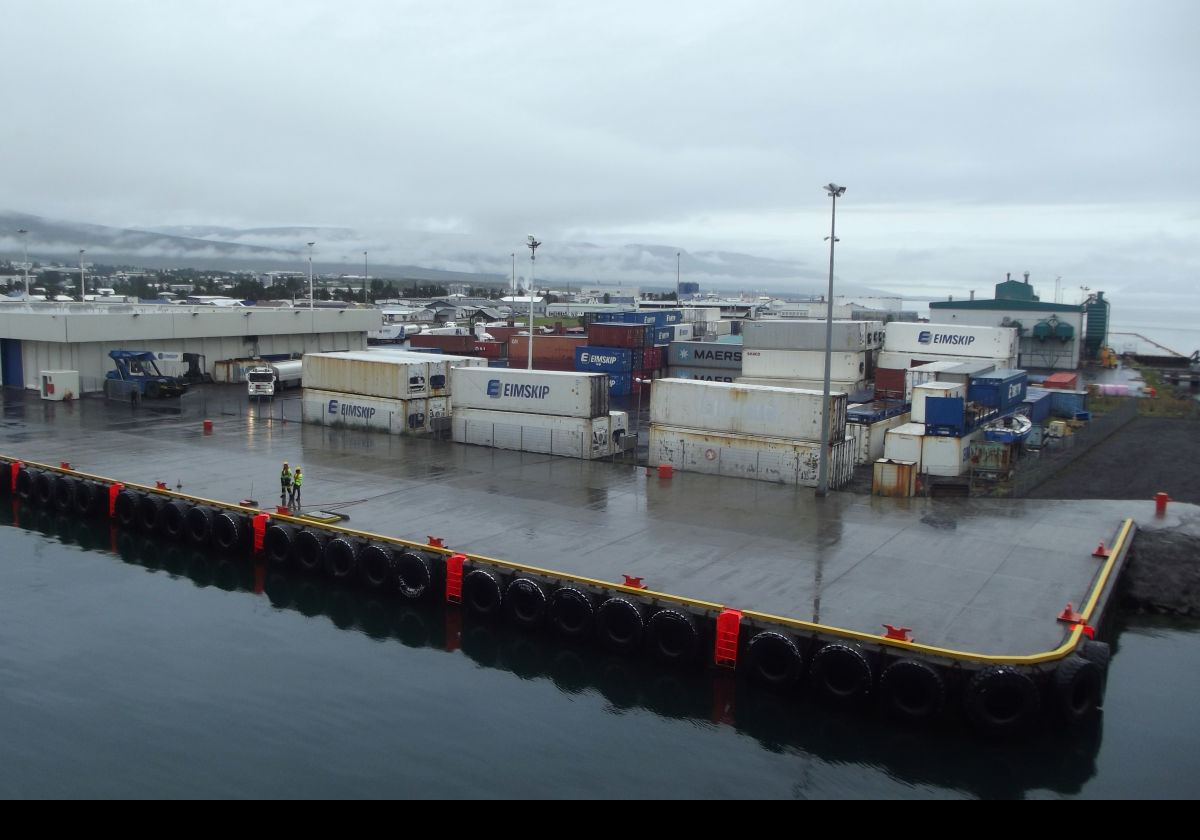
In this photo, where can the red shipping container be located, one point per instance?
(889, 384)
(652, 358)
(462, 345)
(550, 352)
(489, 349)
(617, 335)
(1065, 381)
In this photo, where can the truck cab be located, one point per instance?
(260, 382)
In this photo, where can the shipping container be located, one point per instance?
(1002, 390)
(368, 373)
(991, 457)
(890, 384)
(1065, 381)
(708, 354)
(1038, 404)
(439, 365)
(1068, 404)
(933, 389)
(550, 352)
(570, 437)
(894, 478)
(875, 410)
(705, 374)
(652, 358)
(962, 372)
(461, 344)
(904, 443)
(948, 456)
(869, 437)
(893, 359)
(558, 393)
(761, 458)
(418, 416)
(603, 359)
(616, 335)
(811, 335)
(847, 387)
(656, 318)
(683, 332)
(951, 339)
(804, 364)
(746, 409)
(946, 415)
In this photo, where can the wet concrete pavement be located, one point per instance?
(983, 576)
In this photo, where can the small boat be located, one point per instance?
(1011, 428)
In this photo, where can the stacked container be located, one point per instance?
(389, 390)
(793, 351)
(712, 361)
(772, 434)
(551, 412)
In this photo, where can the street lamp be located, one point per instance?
(25, 255)
(514, 280)
(366, 276)
(533, 245)
(823, 471)
(81, 293)
(310, 283)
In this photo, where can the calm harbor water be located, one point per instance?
(136, 668)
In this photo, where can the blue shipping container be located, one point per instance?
(603, 359)
(1000, 389)
(1067, 403)
(1038, 402)
(620, 384)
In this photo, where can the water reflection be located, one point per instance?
(789, 723)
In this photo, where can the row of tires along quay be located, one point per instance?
(885, 674)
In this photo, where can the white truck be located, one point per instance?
(269, 378)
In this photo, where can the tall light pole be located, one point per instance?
(366, 276)
(310, 283)
(676, 272)
(514, 280)
(533, 245)
(25, 256)
(81, 293)
(823, 471)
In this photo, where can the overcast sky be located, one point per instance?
(974, 138)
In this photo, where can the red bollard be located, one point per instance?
(1160, 503)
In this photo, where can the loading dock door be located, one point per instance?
(10, 363)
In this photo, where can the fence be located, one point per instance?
(1060, 453)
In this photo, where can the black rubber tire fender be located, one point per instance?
(87, 497)
(172, 519)
(572, 613)
(774, 659)
(64, 493)
(1098, 652)
(912, 690)
(1001, 700)
(673, 636)
(341, 557)
(228, 530)
(125, 508)
(482, 592)
(149, 506)
(414, 575)
(43, 489)
(526, 603)
(199, 520)
(376, 564)
(621, 624)
(309, 550)
(841, 673)
(153, 390)
(1079, 689)
(25, 483)
(278, 541)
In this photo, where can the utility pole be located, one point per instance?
(533, 246)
